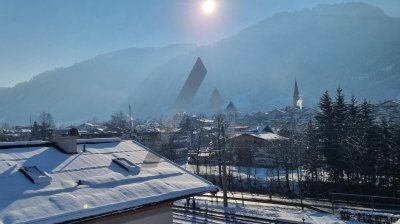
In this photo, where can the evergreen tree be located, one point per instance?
(339, 118)
(325, 134)
(396, 159)
(36, 131)
(367, 162)
(352, 151)
(385, 153)
(347, 142)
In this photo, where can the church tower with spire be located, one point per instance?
(296, 96)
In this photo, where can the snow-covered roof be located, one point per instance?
(205, 120)
(98, 140)
(22, 143)
(207, 128)
(269, 136)
(241, 126)
(277, 111)
(89, 183)
(262, 135)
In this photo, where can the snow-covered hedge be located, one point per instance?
(367, 216)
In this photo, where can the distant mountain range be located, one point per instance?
(92, 88)
(353, 45)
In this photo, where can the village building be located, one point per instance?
(90, 181)
(92, 128)
(256, 118)
(256, 148)
(297, 101)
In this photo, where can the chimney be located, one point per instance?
(67, 144)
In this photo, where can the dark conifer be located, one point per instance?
(351, 148)
(326, 132)
(339, 117)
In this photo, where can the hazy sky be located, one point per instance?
(40, 35)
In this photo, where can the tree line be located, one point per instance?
(351, 146)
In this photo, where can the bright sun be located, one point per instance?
(208, 6)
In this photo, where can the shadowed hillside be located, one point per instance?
(95, 87)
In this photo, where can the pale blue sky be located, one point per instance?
(43, 34)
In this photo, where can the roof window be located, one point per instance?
(35, 174)
(126, 164)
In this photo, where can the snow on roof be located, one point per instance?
(269, 136)
(207, 128)
(204, 120)
(98, 140)
(278, 110)
(89, 183)
(262, 135)
(241, 126)
(22, 143)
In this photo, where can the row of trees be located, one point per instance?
(42, 127)
(354, 148)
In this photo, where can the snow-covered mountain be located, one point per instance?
(353, 45)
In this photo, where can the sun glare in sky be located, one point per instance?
(208, 6)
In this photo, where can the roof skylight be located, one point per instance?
(126, 164)
(35, 174)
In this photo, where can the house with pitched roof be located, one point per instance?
(90, 181)
(256, 147)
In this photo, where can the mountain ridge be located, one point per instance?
(336, 50)
(349, 44)
(85, 89)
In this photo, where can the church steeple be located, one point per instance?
(296, 95)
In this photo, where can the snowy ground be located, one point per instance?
(261, 174)
(278, 213)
